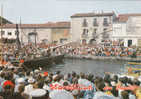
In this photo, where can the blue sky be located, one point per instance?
(42, 11)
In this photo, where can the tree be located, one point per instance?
(5, 21)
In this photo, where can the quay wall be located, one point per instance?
(102, 57)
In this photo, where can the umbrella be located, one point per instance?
(60, 94)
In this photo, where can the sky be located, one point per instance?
(43, 11)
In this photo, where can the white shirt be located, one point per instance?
(28, 88)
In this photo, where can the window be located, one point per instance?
(63, 40)
(55, 42)
(105, 35)
(2, 32)
(45, 41)
(84, 41)
(9, 33)
(95, 22)
(85, 23)
(85, 31)
(129, 43)
(32, 37)
(105, 22)
(95, 31)
(105, 30)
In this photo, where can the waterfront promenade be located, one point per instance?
(103, 57)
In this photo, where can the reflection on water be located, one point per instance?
(97, 67)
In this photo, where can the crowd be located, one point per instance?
(29, 51)
(115, 51)
(17, 83)
(11, 52)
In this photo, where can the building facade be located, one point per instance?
(37, 33)
(128, 29)
(84, 28)
(60, 36)
(91, 27)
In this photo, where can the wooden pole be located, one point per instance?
(20, 28)
(1, 31)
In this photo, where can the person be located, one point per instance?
(39, 94)
(138, 93)
(99, 94)
(8, 90)
(29, 87)
(20, 82)
(21, 92)
(124, 95)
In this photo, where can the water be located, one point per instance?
(96, 67)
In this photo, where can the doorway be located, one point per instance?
(84, 41)
(129, 43)
(32, 37)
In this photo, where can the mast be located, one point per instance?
(17, 39)
(21, 31)
(1, 24)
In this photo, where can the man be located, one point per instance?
(83, 82)
(100, 92)
(29, 87)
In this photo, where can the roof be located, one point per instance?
(124, 17)
(92, 14)
(46, 25)
(5, 21)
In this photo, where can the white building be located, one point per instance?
(28, 32)
(9, 33)
(127, 28)
(34, 33)
(89, 27)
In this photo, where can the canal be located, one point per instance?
(96, 67)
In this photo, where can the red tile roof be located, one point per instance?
(46, 25)
(124, 17)
(92, 14)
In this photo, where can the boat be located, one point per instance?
(43, 61)
(134, 63)
(131, 70)
(134, 68)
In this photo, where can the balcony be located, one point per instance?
(84, 35)
(94, 35)
(105, 36)
(105, 24)
(84, 25)
(95, 24)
